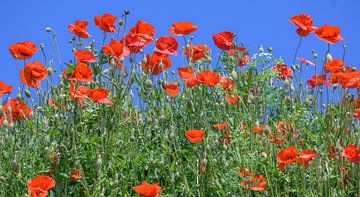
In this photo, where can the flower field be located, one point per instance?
(122, 119)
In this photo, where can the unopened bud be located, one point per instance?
(270, 49)
(42, 45)
(261, 49)
(48, 29)
(234, 74)
(49, 70)
(27, 93)
(286, 82)
(5, 123)
(18, 96)
(329, 57)
(148, 83)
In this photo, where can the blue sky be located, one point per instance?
(256, 22)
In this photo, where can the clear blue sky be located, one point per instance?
(256, 22)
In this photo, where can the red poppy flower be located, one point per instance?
(148, 190)
(139, 36)
(357, 114)
(304, 23)
(286, 156)
(276, 139)
(195, 136)
(329, 34)
(81, 73)
(75, 175)
(331, 152)
(172, 89)
(79, 93)
(282, 71)
(226, 140)
(226, 84)
(84, 56)
(32, 74)
(5, 89)
(221, 127)
(351, 153)
(195, 53)
(317, 81)
(252, 181)
(182, 28)
(259, 130)
(106, 22)
(209, 78)
(166, 45)
(347, 80)
(79, 29)
(40, 185)
(304, 61)
(334, 66)
(231, 99)
(305, 157)
(241, 55)
(185, 73)
(223, 40)
(156, 63)
(23, 50)
(116, 49)
(99, 96)
(19, 111)
(191, 82)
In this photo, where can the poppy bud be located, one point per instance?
(286, 82)
(209, 59)
(121, 60)
(270, 49)
(315, 55)
(18, 96)
(261, 49)
(344, 46)
(148, 83)
(5, 123)
(48, 29)
(234, 74)
(42, 45)
(329, 57)
(222, 104)
(49, 70)
(335, 85)
(27, 93)
(12, 125)
(70, 41)
(191, 38)
(99, 161)
(121, 22)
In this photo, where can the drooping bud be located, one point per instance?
(27, 93)
(148, 83)
(48, 29)
(329, 57)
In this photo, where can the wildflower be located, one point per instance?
(81, 73)
(84, 56)
(185, 73)
(116, 49)
(282, 71)
(223, 40)
(156, 63)
(226, 84)
(40, 185)
(286, 156)
(226, 140)
(79, 29)
(75, 175)
(305, 157)
(32, 74)
(79, 93)
(334, 66)
(182, 28)
(351, 153)
(304, 23)
(209, 78)
(241, 54)
(19, 111)
(191, 82)
(166, 45)
(148, 190)
(329, 34)
(252, 181)
(139, 36)
(172, 89)
(106, 22)
(317, 81)
(304, 61)
(23, 50)
(221, 127)
(232, 99)
(5, 89)
(99, 95)
(195, 136)
(196, 53)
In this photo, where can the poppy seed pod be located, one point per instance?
(261, 49)
(49, 71)
(27, 93)
(18, 96)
